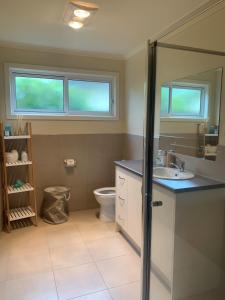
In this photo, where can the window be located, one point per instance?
(89, 96)
(33, 94)
(184, 101)
(54, 93)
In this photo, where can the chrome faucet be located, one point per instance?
(180, 164)
(174, 161)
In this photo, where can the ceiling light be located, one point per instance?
(81, 13)
(75, 24)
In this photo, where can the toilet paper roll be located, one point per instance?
(70, 163)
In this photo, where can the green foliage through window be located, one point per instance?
(59, 94)
(89, 96)
(186, 101)
(39, 94)
(182, 101)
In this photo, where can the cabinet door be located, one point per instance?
(163, 223)
(135, 208)
(121, 197)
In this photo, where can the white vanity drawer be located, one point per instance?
(129, 204)
(121, 197)
(121, 183)
(122, 205)
(121, 211)
(121, 220)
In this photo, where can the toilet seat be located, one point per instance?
(108, 191)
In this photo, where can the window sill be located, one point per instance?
(191, 120)
(64, 117)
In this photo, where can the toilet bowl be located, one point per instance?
(106, 198)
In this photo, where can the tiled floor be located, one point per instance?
(83, 259)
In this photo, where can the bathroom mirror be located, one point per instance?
(190, 114)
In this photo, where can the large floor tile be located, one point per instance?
(65, 235)
(91, 232)
(78, 281)
(67, 226)
(3, 267)
(108, 247)
(97, 296)
(84, 216)
(22, 249)
(28, 240)
(112, 226)
(27, 264)
(130, 291)
(28, 255)
(38, 287)
(4, 250)
(120, 270)
(67, 256)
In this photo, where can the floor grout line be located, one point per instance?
(56, 288)
(101, 276)
(88, 294)
(53, 273)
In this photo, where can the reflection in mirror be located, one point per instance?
(191, 105)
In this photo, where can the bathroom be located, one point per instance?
(138, 247)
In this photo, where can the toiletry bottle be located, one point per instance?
(24, 156)
(160, 158)
(8, 130)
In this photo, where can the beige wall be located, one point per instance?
(95, 154)
(135, 92)
(205, 32)
(53, 59)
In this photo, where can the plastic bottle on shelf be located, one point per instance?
(24, 156)
(8, 130)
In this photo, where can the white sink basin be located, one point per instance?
(170, 173)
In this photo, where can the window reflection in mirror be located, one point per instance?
(191, 107)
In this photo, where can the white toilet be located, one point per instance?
(106, 198)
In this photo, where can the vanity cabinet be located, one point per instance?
(188, 235)
(188, 241)
(129, 204)
(163, 225)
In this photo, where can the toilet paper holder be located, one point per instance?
(70, 163)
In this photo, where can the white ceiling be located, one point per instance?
(119, 27)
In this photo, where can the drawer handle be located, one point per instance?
(122, 201)
(122, 178)
(157, 203)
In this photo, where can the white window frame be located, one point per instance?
(204, 87)
(11, 70)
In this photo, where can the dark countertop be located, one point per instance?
(176, 186)
(135, 166)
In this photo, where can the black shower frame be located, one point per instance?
(147, 198)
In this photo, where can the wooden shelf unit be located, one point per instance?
(17, 137)
(18, 213)
(21, 213)
(27, 187)
(19, 163)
